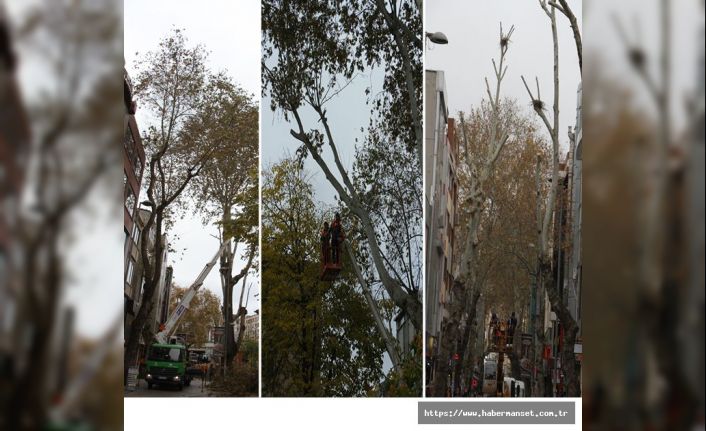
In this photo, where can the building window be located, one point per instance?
(136, 234)
(131, 151)
(130, 201)
(130, 271)
(138, 169)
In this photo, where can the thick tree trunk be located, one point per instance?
(537, 331)
(29, 400)
(680, 400)
(460, 291)
(460, 372)
(227, 288)
(242, 313)
(229, 322)
(151, 272)
(132, 341)
(516, 354)
(390, 342)
(241, 330)
(449, 334)
(449, 339)
(568, 361)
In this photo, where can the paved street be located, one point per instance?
(194, 390)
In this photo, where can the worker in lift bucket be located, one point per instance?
(326, 243)
(512, 324)
(337, 237)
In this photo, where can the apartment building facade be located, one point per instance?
(441, 195)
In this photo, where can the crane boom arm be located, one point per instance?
(163, 336)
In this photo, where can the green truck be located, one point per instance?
(167, 365)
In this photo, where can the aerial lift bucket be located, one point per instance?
(329, 269)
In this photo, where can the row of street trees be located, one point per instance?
(506, 220)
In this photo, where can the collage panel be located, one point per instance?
(503, 200)
(191, 209)
(342, 199)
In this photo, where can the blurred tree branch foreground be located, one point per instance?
(57, 145)
(644, 205)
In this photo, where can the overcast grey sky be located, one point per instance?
(473, 27)
(230, 31)
(347, 113)
(641, 20)
(472, 30)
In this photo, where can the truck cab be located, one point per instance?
(490, 378)
(167, 365)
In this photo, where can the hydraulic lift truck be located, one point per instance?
(168, 357)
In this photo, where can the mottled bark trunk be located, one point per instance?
(227, 285)
(568, 361)
(460, 290)
(229, 322)
(29, 402)
(390, 342)
(242, 312)
(132, 342)
(516, 354)
(461, 372)
(241, 330)
(449, 336)
(681, 399)
(151, 272)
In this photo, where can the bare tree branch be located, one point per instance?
(565, 9)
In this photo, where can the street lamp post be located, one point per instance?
(438, 38)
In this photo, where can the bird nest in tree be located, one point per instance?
(538, 105)
(637, 57)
